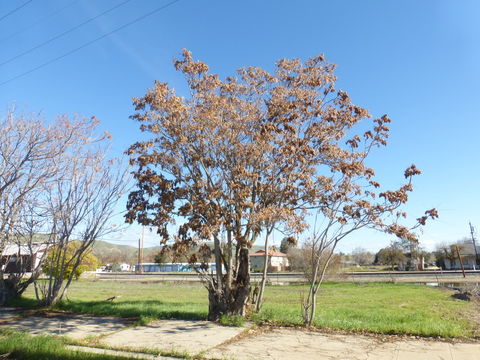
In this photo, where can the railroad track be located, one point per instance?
(286, 278)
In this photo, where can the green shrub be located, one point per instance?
(232, 320)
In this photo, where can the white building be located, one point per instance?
(277, 261)
(124, 267)
(468, 256)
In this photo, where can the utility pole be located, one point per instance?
(460, 259)
(140, 253)
(138, 257)
(472, 232)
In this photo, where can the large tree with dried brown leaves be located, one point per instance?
(244, 156)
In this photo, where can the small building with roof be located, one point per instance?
(277, 261)
(17, 258)
(469, 254)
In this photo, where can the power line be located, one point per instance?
(90, 42)
(56, 37)
(15, 10)
(39, 21)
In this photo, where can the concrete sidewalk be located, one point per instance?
(192, 337)
(7, 313)
(305, 345)
(219, 342)
(76, 326)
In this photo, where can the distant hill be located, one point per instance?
(105, 246)
(110, 253)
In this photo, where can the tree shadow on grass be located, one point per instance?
(22, 302)
(154, 309)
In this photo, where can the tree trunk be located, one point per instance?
(218, 262)
(310, 305)
(236, 303)
(313, 307)
(217, 304)
(7, 290)
(52, 297)
(50, 294)
(259, 299)
(3, 289)
(228, 282)
(241, 287)
(315, 283)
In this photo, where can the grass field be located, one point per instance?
(19, 345)
(373, 307)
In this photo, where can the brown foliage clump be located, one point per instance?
(256, 151)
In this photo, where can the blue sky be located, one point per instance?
(416, 61)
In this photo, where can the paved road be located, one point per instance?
(286, 278)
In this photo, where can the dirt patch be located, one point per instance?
(468, 293)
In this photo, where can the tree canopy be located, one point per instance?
(88, 262)
(255, 152)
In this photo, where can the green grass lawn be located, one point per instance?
(374, 307)
(22, 346)
(145, 301)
